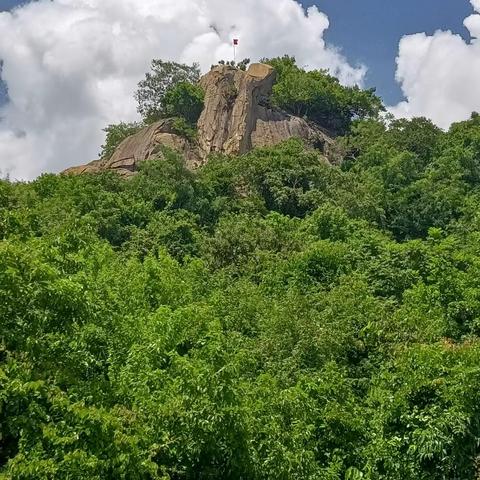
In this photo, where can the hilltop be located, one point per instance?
(237, 115)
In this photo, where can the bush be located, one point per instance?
(164, 77)
(181, 127)
(263, 316)
(320, 97)
(184, 100)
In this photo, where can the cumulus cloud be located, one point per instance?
(71, 66)
(439, 74)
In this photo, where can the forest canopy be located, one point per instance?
(268, 316)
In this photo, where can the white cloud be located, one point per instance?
(439, 74)
(72, 65)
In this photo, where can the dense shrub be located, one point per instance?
(168, 85)
(320, 97)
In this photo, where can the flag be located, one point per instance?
(235, 41)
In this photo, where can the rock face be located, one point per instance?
(232, 99)
(147, 143)
(236, 118)
(141, 146)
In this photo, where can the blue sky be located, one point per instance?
(8, 4)
(368, 31)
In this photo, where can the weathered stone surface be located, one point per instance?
(91, 167)
(146, 143)
(141, 146)
(235, 119)
(232, 98)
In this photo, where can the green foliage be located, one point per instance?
(184, 100)
(242, 65)
(320, 97)
(181, 127)
(169, 85)
(264, 316)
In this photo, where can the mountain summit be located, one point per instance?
(237, 117)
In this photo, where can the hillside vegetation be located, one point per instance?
(264, 317)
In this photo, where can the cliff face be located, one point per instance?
(235, 119)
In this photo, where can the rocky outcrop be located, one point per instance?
(232, 98)
(236, 118)
(145, 144)
(91, 167)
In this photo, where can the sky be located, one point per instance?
(71, 66)
(369, 31)
(9, 4)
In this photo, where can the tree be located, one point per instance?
(184, 100)
(320, 97)
(417, 135)
(268, 315)
(163, 76)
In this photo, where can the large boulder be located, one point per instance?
(145, 144)
(232, 98)
(92, 167)
(236, 118)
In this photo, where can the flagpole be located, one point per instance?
(235, 44)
